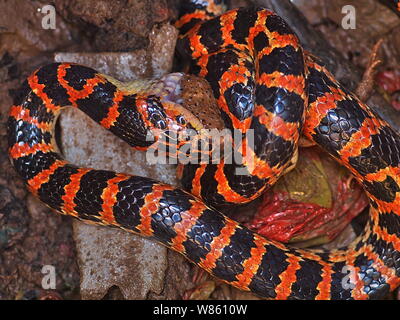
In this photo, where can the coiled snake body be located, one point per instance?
(262, 81)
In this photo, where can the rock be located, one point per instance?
(23, 34)
(116, 25)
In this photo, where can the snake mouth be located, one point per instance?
(189, 96)
(169, 88)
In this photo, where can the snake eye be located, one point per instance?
(161, 124)
(180, 119)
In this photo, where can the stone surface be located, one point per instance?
(372, 22)
(111, 257)
(116, 25)
(21, 26)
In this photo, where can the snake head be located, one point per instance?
(188, 109)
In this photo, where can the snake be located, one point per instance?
(263, 81)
